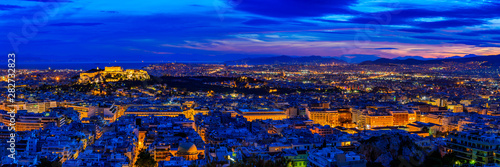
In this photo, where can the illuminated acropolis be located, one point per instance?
(112, 74)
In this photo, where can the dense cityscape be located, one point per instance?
(325, 115)
(250, 83)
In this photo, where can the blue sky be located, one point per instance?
(107, 30)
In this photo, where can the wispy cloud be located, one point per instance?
(10, 7)
(75, 24)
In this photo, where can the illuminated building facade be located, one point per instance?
(190, 113)
(112, 74)
(373, 121)
(323, 130)
(82, 109)
(345, 118)
(169, 111)
(457, 108)
(188, 151)
(476, 147)
(428, 108)
(401, 118)
(262, 114)
(33, 121)
(432, 118)
(37, 107)
(323, 116)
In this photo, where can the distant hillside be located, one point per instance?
(286, 60)
(413, 57)
(491, 61)
(358, 58)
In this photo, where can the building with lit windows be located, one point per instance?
(169, 111)
(333, 157)
(190, 113)
(81, 108)
(423, 129)
(378, 120)
(497, 156)
(474, 146)
(432, 118)
(345, 118)
(262, 114)
(456, 108)
(320, 105)
(33, 121)
(412, 116)
(428, 108)
(401, 118)
(106, 111)
(298, 157)
(322, 130)
(37, 107)
(323, 116)
(188, 151)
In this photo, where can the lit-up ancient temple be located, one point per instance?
(112, 74)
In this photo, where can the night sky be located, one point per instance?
(125, 30)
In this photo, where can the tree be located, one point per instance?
(374, 164)
(282, 162)
(259, 162)
(181, 134)
(434, 159)
(451, 159)
(145, 159)
(44, 162)
(324, 144)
